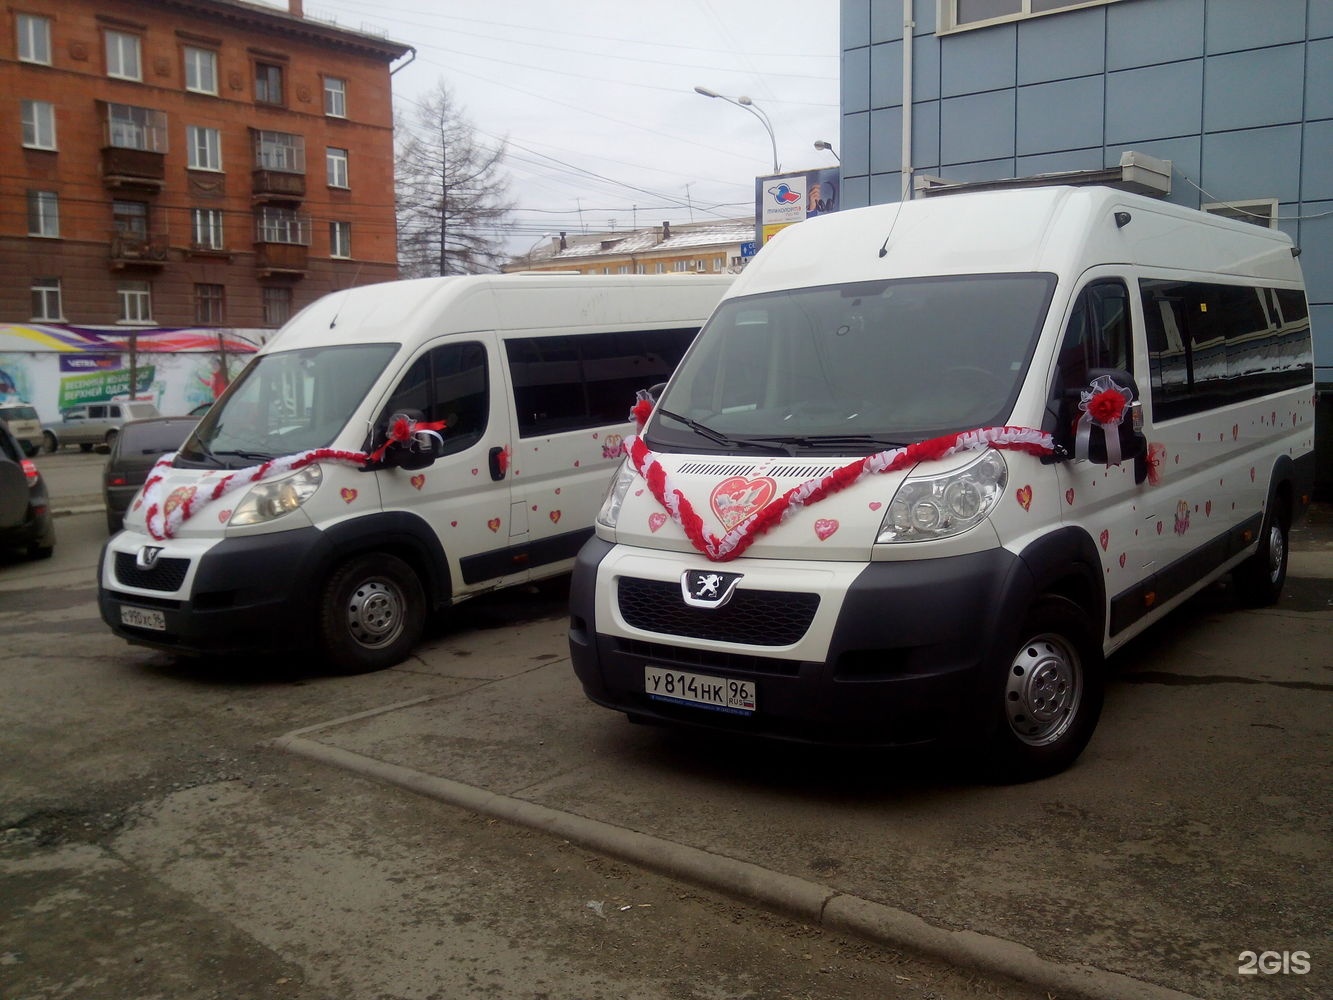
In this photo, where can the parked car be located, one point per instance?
(139, 444)
(24, 424)
(25, 510)
(90, 424)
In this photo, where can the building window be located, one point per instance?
(130, 218)
(277, 305)
(340, 239)
(680, 265)
(954, 15)
(718, 264)
(39, 124)
(281, 225)
(205, 147)
(206, 229)
(336, 161)
(136, 302)
(201, 70)
(34, 34)
(122, 56)
(280, 151)
(46, 302)
(335, 97)
(268, 83)
(129, 127)
(43, 214)
(208, 305)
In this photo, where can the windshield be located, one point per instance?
(871, 365)
(287, 403)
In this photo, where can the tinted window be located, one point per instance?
(154, 436)
(449, 383)
(1211, 344)
(566, 383)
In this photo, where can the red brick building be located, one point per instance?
(189, 163)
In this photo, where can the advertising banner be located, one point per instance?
(100, 386)
(785, 199)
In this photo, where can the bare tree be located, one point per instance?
(452, 196)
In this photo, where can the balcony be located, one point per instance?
(277, 260)
(277, 185)
(138, 251)
(125, 169)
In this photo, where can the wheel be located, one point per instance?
(111, 438)
(85, 446)
(1259, 579)
(41, 551)
(372, 613)
(1052, 694)
(30, 449)
(50, 442)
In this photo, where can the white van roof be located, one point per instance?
(397, 311)
(1058, 229)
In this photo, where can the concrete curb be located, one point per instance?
(800, 898)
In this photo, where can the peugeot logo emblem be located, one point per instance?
(704, 588)
(147, 556)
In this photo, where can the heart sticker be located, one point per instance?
(1024, 496)
(1122, 560)
(824, 527)
(223, 515)
(418, 481)
(1208, 508)
(735, 499)
(1069, 496)
(179, 497)
(1159, 527)
(493, 524)
(348, 494)
(656, 521)
(554, 516)
(875, 505)
(1105, 539)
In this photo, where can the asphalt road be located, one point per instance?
(253, 823)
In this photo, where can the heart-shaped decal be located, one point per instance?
(493, 524)
(223, 515)
(875, 505)
(576, 463)
(474, 471)
(1208, 508)
(1069, 496)
(1251, 473)
(1159, 527)
(656, 521)
(735, 499)
(1122, 560)
(1235, 431)
(348, 494)
(824, 527)
(1024, 496)
(557, 491)
(554, 516)
(1105, 539)
(138, 503)
(179, 497)
(418, 481)
(453, 524)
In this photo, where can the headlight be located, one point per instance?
(930, 507)
(277, 497)
(615, 495)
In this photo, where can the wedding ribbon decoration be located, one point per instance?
(739, 538)
(164, 516)
(1104, 404)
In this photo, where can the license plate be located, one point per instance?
(143, 618)
(721, 694)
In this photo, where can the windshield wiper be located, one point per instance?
(717, 437)
(259, 456)
(831, 440)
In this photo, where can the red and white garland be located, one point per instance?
(735, 541)
(164, 516)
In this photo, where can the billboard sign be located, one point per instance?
(785, 199)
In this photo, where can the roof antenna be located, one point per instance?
(884, 247)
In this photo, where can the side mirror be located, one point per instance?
(1103, 421)
(405, 448)
(655, 392)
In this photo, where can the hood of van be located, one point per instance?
(725, 490)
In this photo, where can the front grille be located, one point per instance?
(707, 659)
(751, 617)
(166, 574)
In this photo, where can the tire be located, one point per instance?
(110, 438)
(85, 447)
(50, 442)
(1259, 579)
(41, 552)
(372, 614)
(1051, 696)
(30, 449)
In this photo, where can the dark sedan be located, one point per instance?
(136, 449)
(25, 510)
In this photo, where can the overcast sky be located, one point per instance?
(596, 97)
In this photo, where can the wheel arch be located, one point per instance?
(400, 534)
(1065, 564)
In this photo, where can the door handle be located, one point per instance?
(499, 463)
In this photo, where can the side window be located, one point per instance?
(449, 383)
(97, 413)
(1098, 334)
(567, 383)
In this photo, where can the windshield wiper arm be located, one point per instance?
(703, 430)
(831, 440)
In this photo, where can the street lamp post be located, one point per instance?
(754, 109)
(822, 144)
